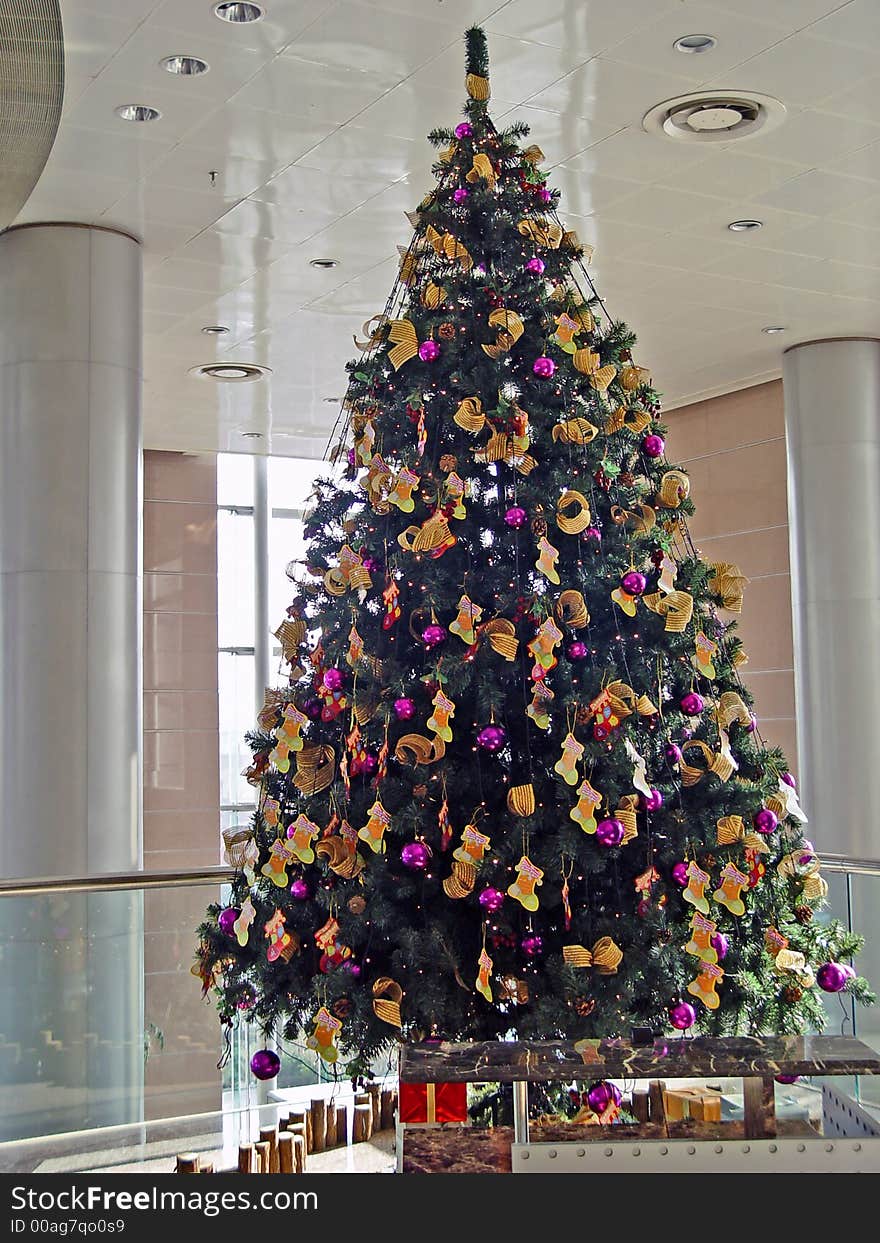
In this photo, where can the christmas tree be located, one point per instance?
(513, 783)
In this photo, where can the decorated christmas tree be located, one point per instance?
(513, 782)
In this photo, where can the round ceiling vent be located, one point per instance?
(714, 116)
(230, 373)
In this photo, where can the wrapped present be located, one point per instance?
(698, 1104)
(433, 1103)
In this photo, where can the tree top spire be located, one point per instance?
(477, 52)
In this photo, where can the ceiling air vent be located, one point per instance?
(714, 116)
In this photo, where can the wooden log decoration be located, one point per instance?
(302, 1116)
(375, 1094)
(187, 1163)
(299, 1154)
(640, 1103)
(330, 1140)
(245, 1158)
(298, 1131)
(759, 1107)
(341, 1124)
(319, 1125)
(269, 1135)
(206, 1167)
(286, 1159)
(363, 1123)
(656, 1088)
(263, 1159)
(387, 1103)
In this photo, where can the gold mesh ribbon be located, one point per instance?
(573, 512)
(403, 333)
(740, 658)
(503, 448)
(469, 415)
(586, 361)
(730, 829)
(290, 634)
(715, 763)
(730, 708)
(240, 847)
(626, 814)
(462, 880)
(624, 700)
(675, 487)
(728, 582)
(676, 606)
(340, 858)
(510, 329)
(599, 380)
(521, 800)
(445, 245)
(542, 232)
(432, 296)
(433, 533)
(640, 523)
(387, 996)
(482, 167)
(533, 154)
(575, 432)
(577, 956)
(274, 701)
(634, 421)
(416, 749)
(605, 956)
(365, 709)
(315, 769)
(477, 87)
(501, 634)
(374, 332)
(573, 244)
(571, 609)
(633, 377)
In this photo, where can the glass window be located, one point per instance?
(235, 579)
(235, 479)
(237, 715)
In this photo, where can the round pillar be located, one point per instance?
(832, 422)
(70, 581)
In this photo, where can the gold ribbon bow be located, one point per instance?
(510, 329)
(633, 377)
(605, 956)
(503, 448)
(675, 487)
(640, 523)
(730, 829)
(477, 87)
(501, 634)
(634, 421)
(626, 814)
(542, 232)
(422, 750)
(728, 582)
(315, 769)
(433, 533)
(533, 154)
(482, 167)
(462, 880)
(575, 432)
(290, 634)
(625, 701)
(600, 380)
(387, 996)
(240, 847)
(445, 245)
(341, 859)
(521, 800)
(432, 296)
(374, 332)
(572, 512)
(403, 333)
(571, 609)
(469, 415)
(715, 763)
(676, 606)
(586, 361)
(730, 708)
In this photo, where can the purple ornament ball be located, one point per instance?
(850, 971)
(312, 708)
(544, 367)
(654, 801)
(610, 832)
(247, 999)
(535, 265)
(404, 708)
(687, 733)
(673, 753)
(653, 445)
(765, 820)
(429, 351)
(752, 725)
(577, 650)
(544, 195)
(785, 1079)
(460, 194)
(680, 873)
(227, 918)
(351, 458)
(516, 517)
(415, 855)
(719, 944)
(682, 1015)
(333, 679)
(351, 967)
(299, 890)
(692, 704)
(634, 583)
(831, 977)
(532, 945)
(433, 635)
(789, 780)
(594, 534)
(492, 738)
(464, 130)
(602, 1094)
(265, 1064)
(491, 900)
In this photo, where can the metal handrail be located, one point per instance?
(220, 875)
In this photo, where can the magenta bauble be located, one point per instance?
(429, 351)
(544, 367)
(789, 780)
(682, 1015)
(673, 753)
(516, 517)
(765, 820)
(850, 971)
(610, 832)
(333, 679)
(719, 944)
(652, 801)
(535, 265)
(633, 583)
(433, 635)
(680, 873)
(351, 967)
(492, 738)
(415, 855)
(593, 534)
(312, 708)
(491, 900)
(265, 1064)
(544, 195)
(653, 445)
(460, 194)
(247, 999)
(464, 130)
(299, 890)
(687, 733)
(577, 650)
(351, 457)
(532, 945)
(692, 704)
(786, 1079)
(602, 1094)
(404, 708)
(227, 918)
(752, 725)
(831, 977)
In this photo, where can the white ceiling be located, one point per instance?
(315, 117)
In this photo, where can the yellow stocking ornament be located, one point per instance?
(703, 987)
(523, 888)
(469, 615)
(323, 1038)
(566, 765)
(438, 722)
(584, 812)
(696, 887)
(373, 832)
(733, 881)
(700, 944)
(484, 972)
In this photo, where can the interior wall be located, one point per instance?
(733, 448)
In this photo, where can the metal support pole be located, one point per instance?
(262, 640)
(520, 1112)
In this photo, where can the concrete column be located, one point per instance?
(832, 419)
(71, 990)
(70, 581)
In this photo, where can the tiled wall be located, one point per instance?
(733, 448)
(181, 770)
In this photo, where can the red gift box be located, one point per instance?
(433, 1102)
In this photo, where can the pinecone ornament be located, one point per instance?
(792, 994)
(803, 913)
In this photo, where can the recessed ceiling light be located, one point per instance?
(714, 116)
(772, 329)
(185, 66)
(695, 43)
(137, 112)
(238, 13)
(745, 226)
(231, 373)
(215, 330)
(252, 435)
(324, 263)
